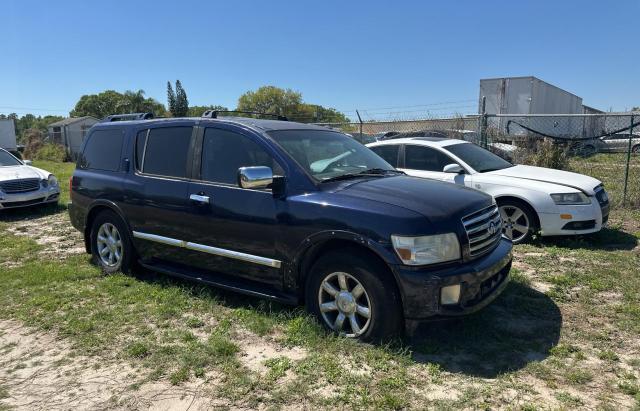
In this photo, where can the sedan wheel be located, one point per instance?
(515, 222)
(344, 304)
(109, 244)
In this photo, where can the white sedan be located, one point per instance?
(22, 185)
(531, 199)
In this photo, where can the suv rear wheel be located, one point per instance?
(110, 244)
(354, 297)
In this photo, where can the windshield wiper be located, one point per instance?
(371, 172)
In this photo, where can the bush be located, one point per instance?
(547, 154)
(51, 152)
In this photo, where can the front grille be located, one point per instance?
(484, 229)
(20, 186)
(22, 203)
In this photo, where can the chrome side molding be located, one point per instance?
(208, 249)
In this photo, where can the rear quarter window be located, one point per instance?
(103, 150)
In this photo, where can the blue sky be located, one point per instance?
(375, 56)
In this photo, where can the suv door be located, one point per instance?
(234, 228)
(156, 192)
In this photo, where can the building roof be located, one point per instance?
(71, 120)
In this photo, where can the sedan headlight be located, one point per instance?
(571, 199)
(53, 181)
(428, 249)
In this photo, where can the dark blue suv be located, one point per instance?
(290, 212)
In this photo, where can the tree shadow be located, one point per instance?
(31, 212)
(608, 239)
(520, 327)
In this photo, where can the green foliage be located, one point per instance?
(287, 102)
(112, 102)
(178, 102)
(171, 98)
(50, 152)
(196, 111)
(547, 154)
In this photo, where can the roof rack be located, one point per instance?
(214, 114)
(126, 117)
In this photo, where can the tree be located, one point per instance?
(287, 102)
(635, 109)
(196, 111)
(171, 98)
(111, 102)
(182, 103)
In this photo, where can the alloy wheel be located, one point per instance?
(515, 223)
(109, 245)
(344, 304)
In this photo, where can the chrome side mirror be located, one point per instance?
(255, 177)
(453, 168)
(27, 162)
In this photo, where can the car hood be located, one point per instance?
(548, 175)
(20, 172)
(436, 200)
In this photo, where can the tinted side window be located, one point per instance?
(102, 151)
(424, 158)
(167, 151)
(389, 153)
(141, 141)
(224, 152)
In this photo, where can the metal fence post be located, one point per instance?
(626, 171)
(483, 123)
(360, 121)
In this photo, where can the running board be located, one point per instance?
(209, 278)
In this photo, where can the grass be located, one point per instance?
(561, 336)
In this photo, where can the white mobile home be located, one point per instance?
(71, 132)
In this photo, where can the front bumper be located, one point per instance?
(584, 219)
(41, 196)
(481, 280)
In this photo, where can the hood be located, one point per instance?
(549, 175)
(20, 172)
(436, 200)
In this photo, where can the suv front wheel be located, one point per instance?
(354, 297)
(110, 244)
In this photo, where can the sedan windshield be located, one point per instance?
(7, 159)
(478, 158)
(329, 155)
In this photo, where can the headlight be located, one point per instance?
(429, 249)
(53, 181)
(570, 198)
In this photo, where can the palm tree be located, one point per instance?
(133, 102)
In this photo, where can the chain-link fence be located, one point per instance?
(605, 146)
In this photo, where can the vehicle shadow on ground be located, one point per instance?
(520, 327)
(30, 213)
(608, 239)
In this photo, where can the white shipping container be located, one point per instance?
(7, 134)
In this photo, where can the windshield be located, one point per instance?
(327, 154)
(7, 159)
(478, 158)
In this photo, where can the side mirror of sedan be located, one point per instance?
(453, 168)
(27, 162)
(255, 177)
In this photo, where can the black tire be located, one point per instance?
(127, 254)
(385, 320)
(589, 150)
(635, 149)
(528, 214)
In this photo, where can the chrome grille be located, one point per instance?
(484, 229)
(20, 186)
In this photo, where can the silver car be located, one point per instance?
(22, 185)
(616, 143)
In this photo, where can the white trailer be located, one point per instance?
(530, 95)
(8, 134)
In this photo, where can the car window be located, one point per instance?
(103, 150)
(224, 152)
(7, 159)
(388, 152)
(141, 141)
(478, 158)
(327, 154)
(167, 151)
(424, 158)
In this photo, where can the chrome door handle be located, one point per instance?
(199, 199)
